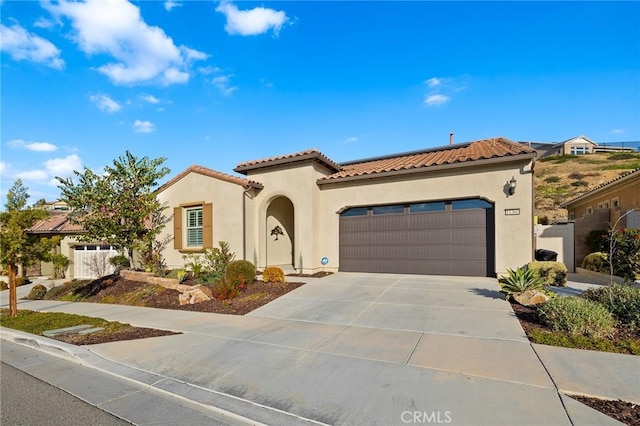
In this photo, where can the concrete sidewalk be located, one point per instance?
(362, 349)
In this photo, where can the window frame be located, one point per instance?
(199, 240)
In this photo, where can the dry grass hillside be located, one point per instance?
(562, 178)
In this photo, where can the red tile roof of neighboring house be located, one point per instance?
(310, 154)
(55, 224)
(459, 154)
(624, 176)
(211, 173)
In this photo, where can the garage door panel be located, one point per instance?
(440, 243)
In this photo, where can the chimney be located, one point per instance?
(451, 138)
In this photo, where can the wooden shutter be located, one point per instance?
(207, 226)
(177, 228)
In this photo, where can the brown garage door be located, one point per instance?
(439, 238)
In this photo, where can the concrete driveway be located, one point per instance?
(353, 349)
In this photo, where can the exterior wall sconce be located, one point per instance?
(512, 186)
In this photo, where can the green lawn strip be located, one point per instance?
(37, 322)
(624, 346)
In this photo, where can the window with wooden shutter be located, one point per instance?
(177, 228)
(207, 225)
(194, 227)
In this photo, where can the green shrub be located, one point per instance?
(552, 179)
(579, 183)
(22, 281)
(60, 264)
(577, 316)
(218, 258)
(520, 280)
(195, 263)
(273, 274)
(120, 261)
(558, 159)
(37, 292)
(240, 273)
(551, 273)
(622, 301)
(598, 240)
(596, 262)
(623, 156)
(626, 253)
(3, 285)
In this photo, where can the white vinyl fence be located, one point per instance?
(92, 260)
(558, 238)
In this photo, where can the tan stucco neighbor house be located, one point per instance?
(463, 209)
(614, 202)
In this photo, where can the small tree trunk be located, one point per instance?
(130, 253)
(13, 295)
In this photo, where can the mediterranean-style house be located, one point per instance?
(616, 202)
(463, 209)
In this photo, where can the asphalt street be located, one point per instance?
(25, 400)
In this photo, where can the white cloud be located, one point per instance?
(33, 175)
(618, 131)
(258, 20)
(352, 139)
(160, 109)
(142, 53)
(170, 4)
(63, 166)
(150, 98)
(43, 23)
(105, 103)
(4, 168)
(223, 84)
(209, 70)
(23, 45)
(436, 100)
(32, 146)
(143, 126)
(433, 82)
(192, 54)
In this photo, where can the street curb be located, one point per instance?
(217, 402)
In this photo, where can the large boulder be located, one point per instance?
(531, 298)
(195, 294)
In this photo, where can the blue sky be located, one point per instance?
(219, 83)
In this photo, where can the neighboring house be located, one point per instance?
(578, 145)
(462, 209)
(86, 258)
(610, 203)
(54, 206)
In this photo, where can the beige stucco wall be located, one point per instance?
(626, 191)
(513, 235)
(316, 209)
(579, 142)
(226, 198)
(297, 182)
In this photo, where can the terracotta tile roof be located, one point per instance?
(421, 160)
(55, 224)
(211, 173)
(310, 154)
(625, 176)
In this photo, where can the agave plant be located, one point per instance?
(520, 280)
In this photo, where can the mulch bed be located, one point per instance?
(131, 333)
(623, 411)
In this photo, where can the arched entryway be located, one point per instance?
(280, 232)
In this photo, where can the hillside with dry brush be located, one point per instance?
(562, 178)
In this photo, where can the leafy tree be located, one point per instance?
(16, 246)
(115, 207)
(41, 202)
(17, 196)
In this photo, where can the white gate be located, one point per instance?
(92, 260)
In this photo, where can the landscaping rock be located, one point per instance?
(531, 298)
(195, 294)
